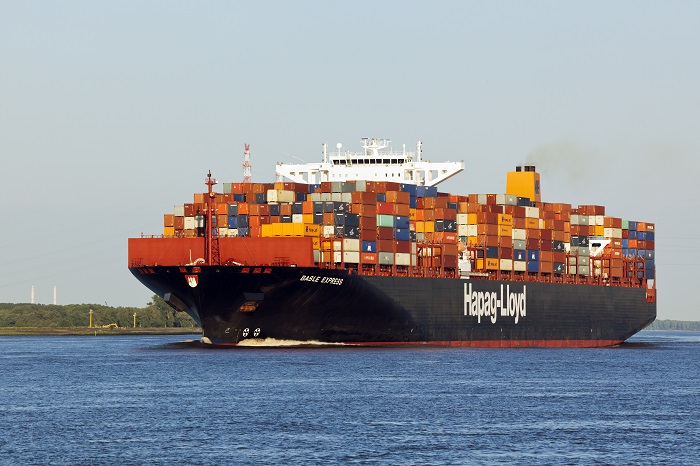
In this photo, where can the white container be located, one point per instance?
(297, 218)
(315, 197)
(328, 230)
(278, 196)
(232, 232)
(179, 211)
(189, 223)
(481, 199)
(462, 219)
(350, 244)
(600, 220)
(337, 245)
(352, 257)
(532, 212)
(507, 264)
(519, 266)
(519, 233)
(402, 258)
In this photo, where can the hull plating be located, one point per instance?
(309, 304)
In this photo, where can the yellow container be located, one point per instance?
(505, 230)
(472, 219)
(308, 218)
(267, 230)
(505, 219)
(278, 228)
(420, 227)
(311, 229)
(429, 227)
(168, 231)
(492, 264)
(299, 229)
(316, 243)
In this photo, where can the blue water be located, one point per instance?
(148, 400)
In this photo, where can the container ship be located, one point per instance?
(362, 249)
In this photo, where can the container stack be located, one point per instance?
(396, 228)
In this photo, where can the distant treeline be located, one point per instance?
(691, 325)
(156, 314)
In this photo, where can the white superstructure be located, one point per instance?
(376, 163)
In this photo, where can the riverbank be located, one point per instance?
(17, 331)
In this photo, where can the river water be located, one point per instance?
(156, 400)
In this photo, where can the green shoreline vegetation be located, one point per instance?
(74, 319)
(156, 318)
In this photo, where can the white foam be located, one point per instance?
(273, 342)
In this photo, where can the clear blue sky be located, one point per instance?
(112, 112)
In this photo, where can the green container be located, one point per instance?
(385, 220)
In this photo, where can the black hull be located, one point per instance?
(234, 304)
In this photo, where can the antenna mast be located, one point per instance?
(246, 164)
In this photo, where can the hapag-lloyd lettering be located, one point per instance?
(489, 304)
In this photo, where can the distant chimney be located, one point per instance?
(518, 168)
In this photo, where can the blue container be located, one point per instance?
(239, 197)
(451, 226)
(558, 246)
(412, 203)
(519, 255)
(328, 207)
(233, 221)
(340, 207)
(414, 236)
(651, 274)
(533, 266)
(559, 267)
(452, 205)
(275, 210)
(492, 252)
(260, 198)
(411, 189)
(318, 207)
(381, 197)
(533, 255)
(426, 191)
(339, 218)
(632, 226)
(351, 232)
(352, 219)
(402, 222)
(625, 243)
(649, 255)
(243, 231)
(650, 264)
(286, 219)
(318, 218)
(582, 241)
(369, 246)
(642, 252)
(650, 236)
(642, 235)
(300, 197)
(402, 234)
(524, 202)
(243, 221)
(297, 208)
(232, 209)
(439, 225)
(632, 234)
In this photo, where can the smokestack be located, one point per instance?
(32, 295)
(54, 295)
